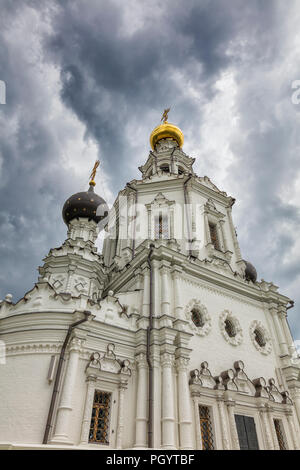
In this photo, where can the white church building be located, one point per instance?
(166, 340)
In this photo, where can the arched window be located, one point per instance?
(180, 170)
(165, 168)
(214, 235)
(161, 225)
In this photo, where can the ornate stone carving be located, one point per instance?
(238, 337)
(195, 377)
(228, 380)
(167, 360)
(206, 377)
(199, 330)
(182, 363)
(109, 363)
(260, 386)
(242, 380)
(257, 325)
(273, 391)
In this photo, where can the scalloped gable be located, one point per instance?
(205, 180)
(43, 297)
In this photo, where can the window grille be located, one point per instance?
(230, 328)
(259, 337)
(206, 428)
(161, 223)
(279, 433)
(99, 428)
(197, 318)
(214, 236)
(165, 168)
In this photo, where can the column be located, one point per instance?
(195, 397)
(156, 413)
(149, 222)
(86, 422)
(290, 420)
(266, 428)
(286, 330)
(130, 220)
(222, 416)
(146, 292)
(207, 239)
(62, 428)
(165, 290)
(120, 425)
(176, 273)
(272, 427)
(168, 408)
(172, 223)
(224, 238)
(234, 237)
(184, 405)
(295, 395)
(141, 402)
(233, 431)
(279, 332)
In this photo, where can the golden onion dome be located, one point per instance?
(166, 130)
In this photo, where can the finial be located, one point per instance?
(165, 115)
(93, 174)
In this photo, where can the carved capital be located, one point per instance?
(182, 363)
(167, 360)
(141, 361)
(76, 345)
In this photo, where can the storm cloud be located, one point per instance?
(89, 80)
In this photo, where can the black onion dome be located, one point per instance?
(250, 272)
(86, 204)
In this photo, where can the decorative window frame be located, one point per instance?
(213, 217)
(92, 386)
(244, 410)
(160, 204)
(233, 340)
(267, 348)
(211, 403)
(108, 374)
(199, 330)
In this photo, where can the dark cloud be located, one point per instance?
(114, 66)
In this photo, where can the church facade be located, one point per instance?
(165, 340)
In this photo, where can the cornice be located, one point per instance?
(198, 275)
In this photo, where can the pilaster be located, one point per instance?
(184, 404)
(141, 402)
(62, 428)
(232, 425)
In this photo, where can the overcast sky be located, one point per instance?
(90, 79)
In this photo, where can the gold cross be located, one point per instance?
(165, 115)
(94, 171)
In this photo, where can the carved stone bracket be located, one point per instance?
(109, 363)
